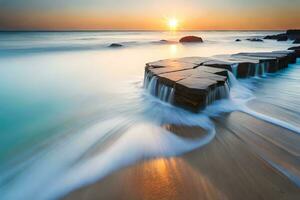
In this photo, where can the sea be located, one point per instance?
(74, 110)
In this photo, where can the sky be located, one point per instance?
(149, 14)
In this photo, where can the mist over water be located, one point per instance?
(73, 110)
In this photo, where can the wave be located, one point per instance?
(271, 120)
(83, 159)
(20, 50)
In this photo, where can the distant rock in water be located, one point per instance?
(255, 40)
(289, 34)
(166, 42)
(293, 34)
(238, 40)
(282, 39)
(278, 37)
(115, 45)
(297, 41)
(190, 39)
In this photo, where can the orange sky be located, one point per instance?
(152, 17)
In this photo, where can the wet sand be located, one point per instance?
(244, 161)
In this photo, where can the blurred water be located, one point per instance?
(70, 104)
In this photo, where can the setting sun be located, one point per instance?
(173, 24)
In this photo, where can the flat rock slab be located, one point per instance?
(166, 66)
(195, 82)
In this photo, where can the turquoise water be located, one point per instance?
(71, 105)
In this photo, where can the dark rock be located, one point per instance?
(278, 37)
(196, 82)
(165, 42)
(219, 64)
(191, 39)
(277, 60)
(115, 45)
(297, 41)
(290, 34)
(283, 38)
(238, 40)
(193, 84)
(194, 60)
(294, 48)
(254, 40)
(169, 65)
(240, 66)
(293, 34)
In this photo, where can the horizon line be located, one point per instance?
(127, 30)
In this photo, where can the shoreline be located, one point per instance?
(230, 167)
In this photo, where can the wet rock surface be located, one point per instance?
(190, 38)
(195, 82)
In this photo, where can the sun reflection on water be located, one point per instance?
(173, 49)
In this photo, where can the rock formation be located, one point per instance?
(195, 82)
(190, 39)
(289, 34)
(115, 45)
(254, 40)
(297, 41)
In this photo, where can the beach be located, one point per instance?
(232, 166)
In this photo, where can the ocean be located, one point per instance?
(73, 110)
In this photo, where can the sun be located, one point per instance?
(173, 24)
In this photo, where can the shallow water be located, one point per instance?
(71, 105)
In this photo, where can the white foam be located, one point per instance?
(234, 68)
(69, 171)
(163, 92)
(271, 119)
(140, 142)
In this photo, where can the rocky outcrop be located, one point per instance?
(195, 82)
(165, 42)
(296, 50)
(289, 34)
(115, 45)
(191, 84)
(278, 37)
(254, 40)
(190, 39)
(293, 34)
(238, 40)
(297, 41)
